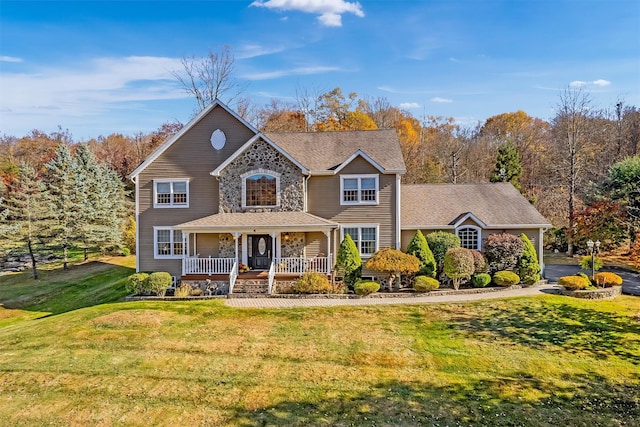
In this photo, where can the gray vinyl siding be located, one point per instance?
(194, 158)
(315, 243)
(323, 196)
(207, 245)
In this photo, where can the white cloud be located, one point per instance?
(599, 82)
(291, 72)
(248, 51)
(409, 105)
(5, 58)
(330, 11)
(80, 90)
(441, 100)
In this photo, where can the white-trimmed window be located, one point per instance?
(364, 236)
(261, 189)
(171, 193)
(469, 236)
(167, 242)
(359, 189)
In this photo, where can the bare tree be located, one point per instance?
(210, 77)
(570, 126)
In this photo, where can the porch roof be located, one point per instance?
(254, 221)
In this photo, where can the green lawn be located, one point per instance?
(543, 361)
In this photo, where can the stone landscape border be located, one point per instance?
(600, 293)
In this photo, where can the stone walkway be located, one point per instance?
(429, 298)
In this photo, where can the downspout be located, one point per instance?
(306, 188)
(398, 212)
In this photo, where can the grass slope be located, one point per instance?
(543, 361)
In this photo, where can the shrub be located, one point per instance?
(458, 265)
(425, 284)
(136, 283)
(573, 282)
(419, 248)
(366, 287)
(479, 262)
(183, 291)
(313, 282)
(585, 263)
(506, 278)
(196, 292)
(607, 279)
(528, 265)
(439, 243)
(503, 251)
(125, 251)
(158, 282)
(480, 280)
(584, 276)
(392, 262)
(348, 262)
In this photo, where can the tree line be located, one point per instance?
(564, 166)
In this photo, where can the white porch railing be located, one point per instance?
(195, 265)
(233, 275)
(272, 275)
(300, 265)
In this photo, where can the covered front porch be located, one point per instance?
(283, 244)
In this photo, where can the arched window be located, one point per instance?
(260, 189)
(469, 236)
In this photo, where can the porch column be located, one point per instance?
(328, 234)
(236, 236)
(245, 252)
(273, 245)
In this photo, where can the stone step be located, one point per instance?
(251, 286)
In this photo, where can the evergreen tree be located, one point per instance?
(419, 247)
(508, 168)
(101, 199)
(349, 262)
(26, 214)
(528, 265)
(62, 185)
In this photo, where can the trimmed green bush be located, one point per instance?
(480, 280)
(573, 282)
(313, 282)
(439, 243)
(366, 287)
(125, 251)
(419, 248)
(585, 263)
(528, 265)
(607, 279)
(158, 282)
(506, 278)
(425, 284)
(503, 251)
(458, 265)
(348, 262)
(137, 283)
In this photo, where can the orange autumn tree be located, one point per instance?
(393, 263)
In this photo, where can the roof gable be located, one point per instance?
(329, 152)
(247, 144)
(186, 128)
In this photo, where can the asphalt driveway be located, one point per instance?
(630, 284)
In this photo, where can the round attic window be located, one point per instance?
(218, 139)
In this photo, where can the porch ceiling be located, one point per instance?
(254, 221)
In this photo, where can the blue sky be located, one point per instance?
(97, 68)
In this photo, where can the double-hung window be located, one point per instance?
(364, 236)
(167, 242)
(171, 193)
(359, 189)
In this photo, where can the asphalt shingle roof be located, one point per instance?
(435, 205)
(290, 220)
(322, 151)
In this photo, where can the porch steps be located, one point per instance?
(250, 287)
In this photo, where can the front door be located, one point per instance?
(261, 252)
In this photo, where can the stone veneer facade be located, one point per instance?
(293, 246)
(261, 156)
